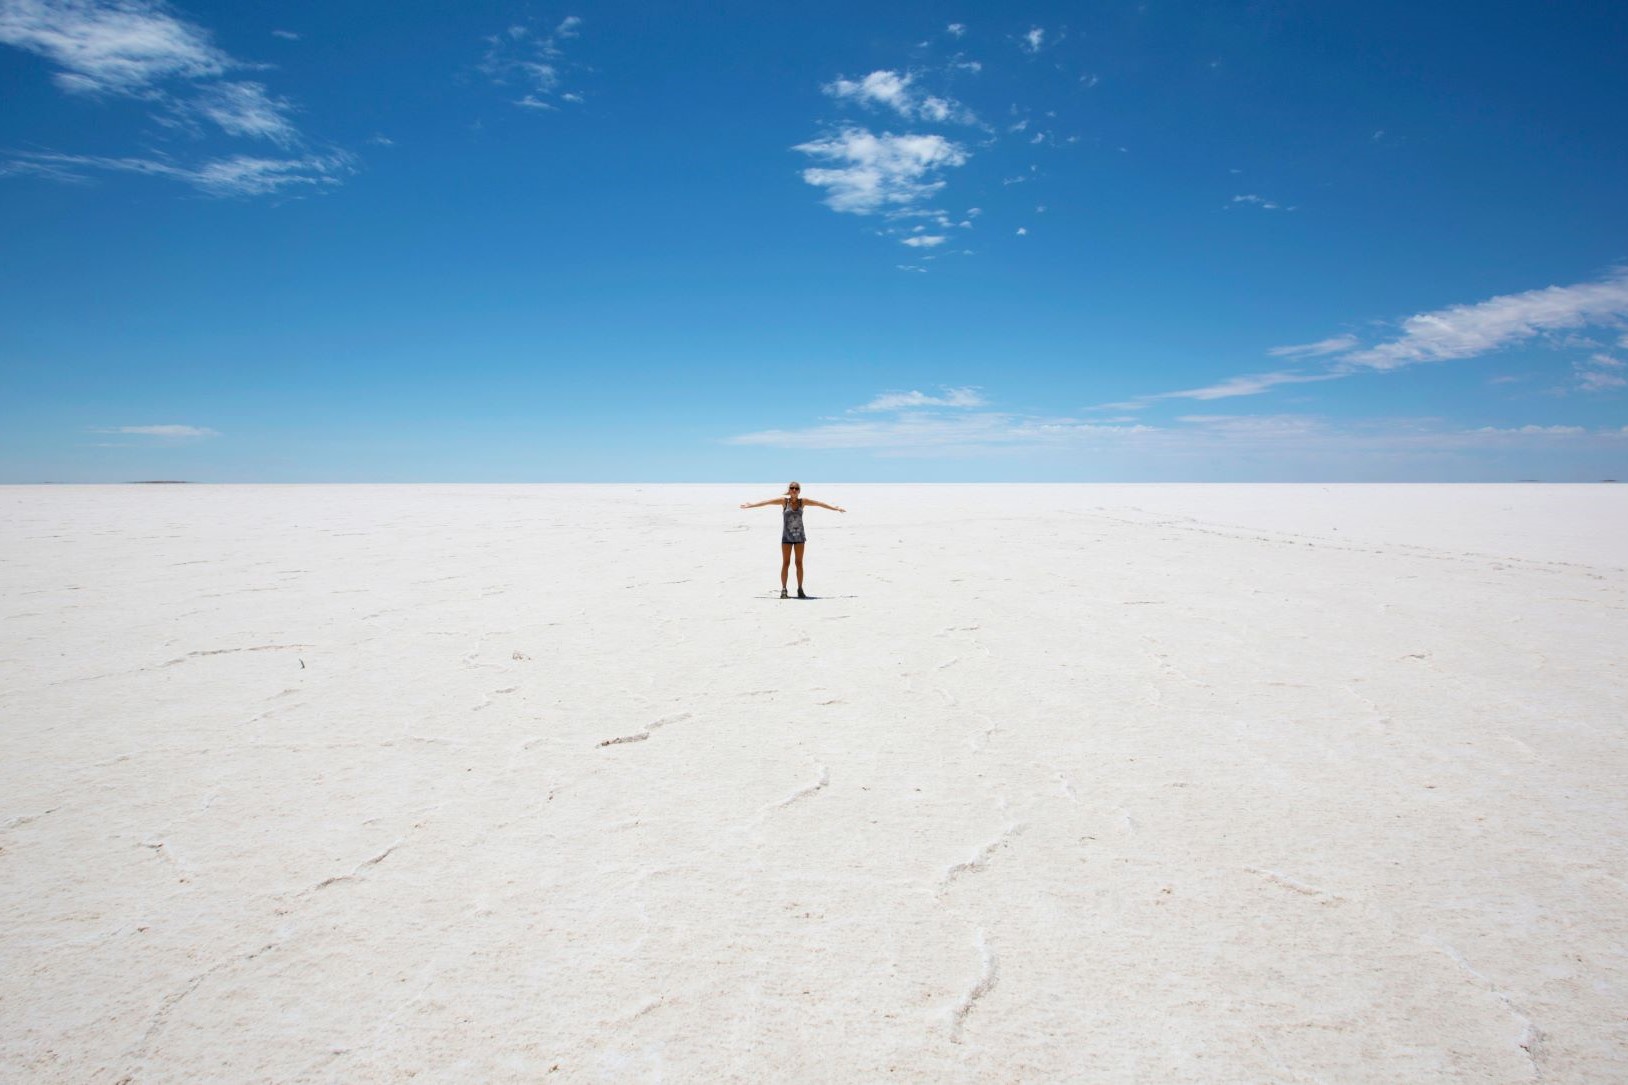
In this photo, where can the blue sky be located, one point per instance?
(633, 242)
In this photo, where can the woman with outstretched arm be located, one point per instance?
(792, 539)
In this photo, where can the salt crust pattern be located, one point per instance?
(1096, 783)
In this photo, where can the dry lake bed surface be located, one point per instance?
(1092, 783)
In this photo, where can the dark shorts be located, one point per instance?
(785, 538)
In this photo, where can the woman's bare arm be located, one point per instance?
(823, 505)
(771, 501)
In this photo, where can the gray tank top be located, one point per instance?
(793, 530)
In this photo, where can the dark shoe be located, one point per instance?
(783, 593)
(800, 594)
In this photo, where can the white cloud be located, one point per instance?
(286, 35)
(239, 175)
(1248, 385)
(894, 90)
(1256, 426)
(1332, 345)
(914, 424)
(923, 241)
(522, 55)
(1033, 40)
(245, 109)
(111, 46)
(923, 434)
(163, 431)
(1600, 373)
(878, 172)
(1252, 200)
(139, 49)
(1533, 431)
(956, 30)
(1465, 331)
(883, 87)
(1599, 380)
(1023, 231)
(899, 401)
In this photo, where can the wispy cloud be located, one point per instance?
(111, 46)
(930, 425)
(286, 35)
(246, 109)
(140, 49)
(171, 432)
(533, 60)
(1532, 431)
(934, 434)
(939, 123)
(897, 92)
(1600, 373)
(238, 175)
(917, 425)
(872, 173)
(898, 401)
(1247, 385)
(1466, 331)
(1460, 331)
(1252, 200)
(1333, 345)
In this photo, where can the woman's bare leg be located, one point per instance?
(785, 563)
(799, 548)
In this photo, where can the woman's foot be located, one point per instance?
(800, 594)
(783, 594)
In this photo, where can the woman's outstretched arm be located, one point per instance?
(823, 505)
(771, 501)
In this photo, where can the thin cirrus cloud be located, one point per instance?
(533, 61)
(172, 432)
(922, 434)
(898, 401)
(1332, 345)
(914, 424)
(138, 49)
(237, 175)
(1453, 333)
(1465, 331)
(111, 47)
(920, 426)
(1247, 385)
(247, 109)
(1600, 373)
